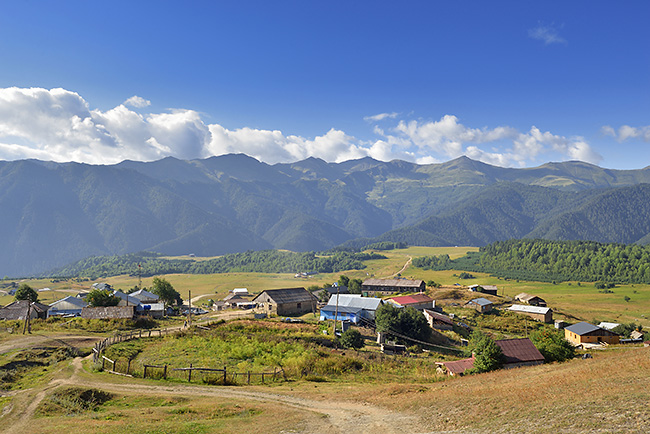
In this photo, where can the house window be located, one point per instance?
(299, 305)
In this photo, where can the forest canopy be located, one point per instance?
(546, 261)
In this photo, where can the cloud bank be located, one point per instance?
(627, 132)
(59, 125)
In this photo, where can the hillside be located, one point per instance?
(52, 214)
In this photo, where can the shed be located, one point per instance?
(608, 325)
(437, 320)
(457, 367)
(287, 301)
(345, 313)
(543, 314)
(389, 286)
(533, 300)
(154, 310)
(416, 301)
(485, 289)
(368, 305)
(585, 333)
(145, 296)
(480, 304)
(67, 306)
(127, 300)
(519, 352)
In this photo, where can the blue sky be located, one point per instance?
(512, 83)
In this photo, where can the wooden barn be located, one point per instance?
(289, 301)
(585, 333)
(389, 286)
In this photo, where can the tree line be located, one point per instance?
(547, 261)
(266, 261)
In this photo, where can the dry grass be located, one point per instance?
(608, 393)
(160, 414)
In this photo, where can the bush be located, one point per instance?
(351, 338)
(552, 345)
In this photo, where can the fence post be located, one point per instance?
(274, 369)
(224, 375)
(249, 377)
(128, 367)
(145, 372)
(114, 363)
(262, 377)
(165, 372)
(103, 361)
(189, 376)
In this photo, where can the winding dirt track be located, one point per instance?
(340, 417)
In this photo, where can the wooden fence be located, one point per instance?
(124, 367)
(99, 347)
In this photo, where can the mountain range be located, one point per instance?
(54, 213)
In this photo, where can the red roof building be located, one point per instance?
(417, 301)
(516, 352)
(457, 367)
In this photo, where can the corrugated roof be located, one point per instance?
(341, 309)
(439, 316)
(356, 300)
(519, 350)
(143, 294)
(529, 309)
(459, 366)
(130, 300)
(480, 301)
(526, 297)
(405, 300)
(73, 301)
(582, 328)
(392, 282)
(288, 295)
(608, 325)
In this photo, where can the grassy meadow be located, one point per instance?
(570, 300)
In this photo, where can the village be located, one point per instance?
(447, 318)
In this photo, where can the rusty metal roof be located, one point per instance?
(519, 350)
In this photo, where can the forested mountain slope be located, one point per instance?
(52, 214)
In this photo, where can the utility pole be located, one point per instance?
(336, 311)
(139, 276)
(28, 324)
(189, 311)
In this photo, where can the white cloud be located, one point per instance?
(137, 102)
(58, 125)
(627, 132)
(380, 117)
(547, 34)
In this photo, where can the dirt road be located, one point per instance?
(339, 416)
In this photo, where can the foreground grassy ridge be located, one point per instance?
(127, 414)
